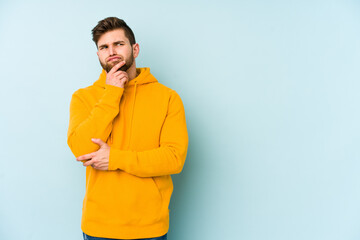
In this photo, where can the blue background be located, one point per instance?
(271, 92)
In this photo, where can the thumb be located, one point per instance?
(98, 141)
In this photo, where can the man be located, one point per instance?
(130, 133)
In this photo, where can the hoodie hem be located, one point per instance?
(124, 232)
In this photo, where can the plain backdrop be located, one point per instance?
(271, 93)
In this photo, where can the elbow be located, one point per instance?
(72, 147)
(180, 157)
(79, 146)
(178, 169)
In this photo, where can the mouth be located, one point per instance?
(112, 59)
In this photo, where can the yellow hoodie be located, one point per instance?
(144, 125)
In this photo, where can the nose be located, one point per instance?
(112, 50)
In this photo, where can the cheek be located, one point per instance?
(125, 52)
(102, 57)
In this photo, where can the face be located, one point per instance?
(114, 47)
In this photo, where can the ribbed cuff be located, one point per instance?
(112, 94)
(120, 159)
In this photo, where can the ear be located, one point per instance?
(136, 50)
(97, 53)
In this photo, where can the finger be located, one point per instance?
(98, 141)
(121, 74)
(117, 66)
(118, 73)
(87, 163)
(123, 79)
(85, 157)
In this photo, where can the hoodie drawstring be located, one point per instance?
(132, 114)
(116, 119)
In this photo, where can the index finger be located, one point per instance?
(85, 164)
(84, 157)
(117, 66)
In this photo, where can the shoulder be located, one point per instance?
(166, 90)
(172, 98)
(91, 90)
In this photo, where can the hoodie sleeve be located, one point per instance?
(88, 123)
(168, 158)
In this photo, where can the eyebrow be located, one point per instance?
(105, 45)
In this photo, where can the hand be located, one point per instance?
(98, 160)
(117, 78)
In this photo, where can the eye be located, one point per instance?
(119, 44)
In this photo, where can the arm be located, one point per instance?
(95, 123)
(168, 158)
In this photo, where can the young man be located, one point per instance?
(129, 131)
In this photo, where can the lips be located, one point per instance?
(113, 59)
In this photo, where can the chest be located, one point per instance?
(140, 119)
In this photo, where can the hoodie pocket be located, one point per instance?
(157, 188)
(147, 201)
(118, 198)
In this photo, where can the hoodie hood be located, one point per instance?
(144, 76)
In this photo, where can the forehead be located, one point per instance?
(112, 36)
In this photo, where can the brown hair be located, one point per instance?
(109, 24)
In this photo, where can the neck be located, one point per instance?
(132, 72)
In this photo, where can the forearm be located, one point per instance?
(165, 160)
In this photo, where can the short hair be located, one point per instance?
(109, 24)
